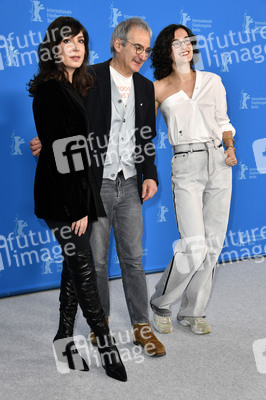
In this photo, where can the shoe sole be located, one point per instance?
(187, 324)
(151, 355)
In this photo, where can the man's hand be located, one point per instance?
(231, 157)
(149, 188)
(35, 146)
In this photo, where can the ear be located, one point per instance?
(117, 45)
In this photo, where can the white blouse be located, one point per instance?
(200, 118)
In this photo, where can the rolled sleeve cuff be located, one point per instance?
(228, 127)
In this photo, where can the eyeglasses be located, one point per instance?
(139, 48)
(177, 43)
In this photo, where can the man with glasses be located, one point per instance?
(121, 112)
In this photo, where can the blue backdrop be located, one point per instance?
(232, 40)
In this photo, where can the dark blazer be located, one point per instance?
(59, 113)
(98, 105)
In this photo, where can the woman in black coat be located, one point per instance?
(65, 191)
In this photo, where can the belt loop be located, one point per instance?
(217, 143)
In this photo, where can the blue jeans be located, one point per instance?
(123, 208)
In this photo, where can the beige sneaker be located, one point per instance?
(162, 324)
(198, 325)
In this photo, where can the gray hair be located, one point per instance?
(122, 29)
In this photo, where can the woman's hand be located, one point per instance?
(79, 227)
(231, 157)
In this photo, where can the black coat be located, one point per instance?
(59, 113)
(98, 105)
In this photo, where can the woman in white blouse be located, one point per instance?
(193, 104)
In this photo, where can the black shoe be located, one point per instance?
(110, 358)
(67, 355)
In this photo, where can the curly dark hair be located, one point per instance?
(161, 55)
(50, 65)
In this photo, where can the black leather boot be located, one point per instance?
(84, 281)
(66, 350)
(68, 304)
(110, 358)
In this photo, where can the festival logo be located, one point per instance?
(20, 224)
(226, 59)
(161, 213)
(18, 232)
(93, 56)
(196, 25)
(243, 168)
(41, 14)
(243, 100)
(45, 268)
(245, 172)
(247, 101)
(248, 20)
(36, 8)
(115, 14)
(184, 17)
(17, 141)
(10, 57)
(162, 138)
(252, 26)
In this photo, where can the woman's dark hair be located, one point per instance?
(161, 55)
(50, 61)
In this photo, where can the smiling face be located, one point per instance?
(72, 52)
(126, 58)
(182, 50)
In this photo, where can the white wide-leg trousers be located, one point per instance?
(201, 183)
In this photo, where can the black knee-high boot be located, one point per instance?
(68, 304)
(63, 342)
(84, 281)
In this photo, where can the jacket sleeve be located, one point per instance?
(56, 118)
(148, 133)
